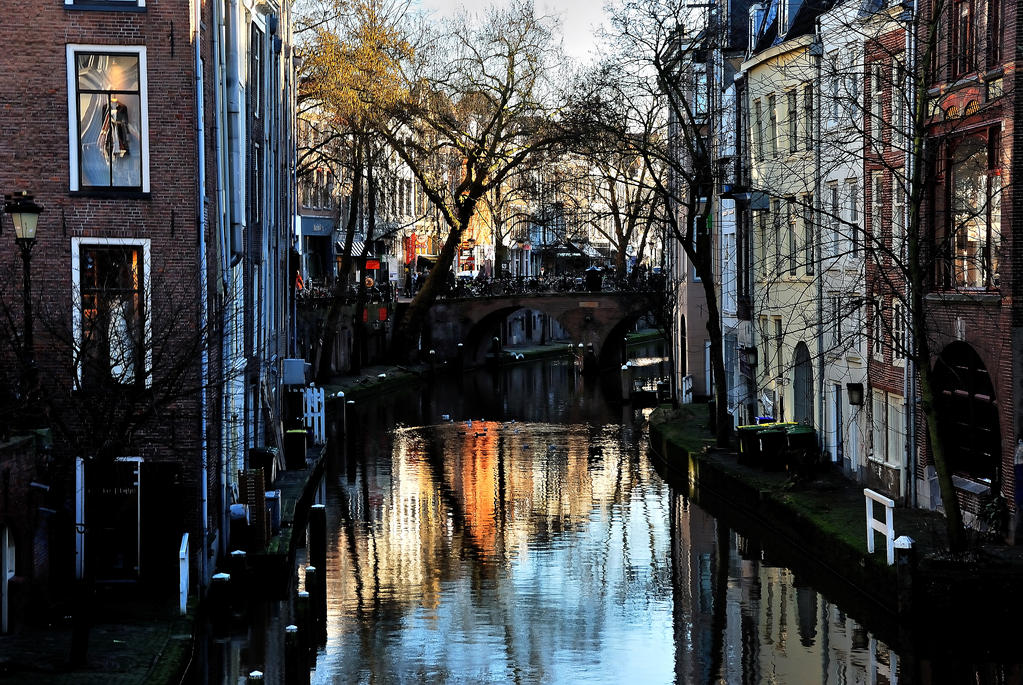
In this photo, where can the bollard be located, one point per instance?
(237, 568)
(218, 599)
(341, 397)
(905, 567)
(312, 585)
(317, 532)
(294, 661)
(626, 379)
(316, 585)
(314, 582)
(303, 619)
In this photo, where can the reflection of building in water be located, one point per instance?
(751, 622)
(482, 493)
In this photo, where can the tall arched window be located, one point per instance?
(975, 217)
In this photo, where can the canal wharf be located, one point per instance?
(927, 600)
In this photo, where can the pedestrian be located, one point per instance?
(408, 282)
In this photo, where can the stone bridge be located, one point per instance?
(597, 320)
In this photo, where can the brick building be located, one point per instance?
(158, 284)
(967, 223)
(884, 116)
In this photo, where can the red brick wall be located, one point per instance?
(33, 117)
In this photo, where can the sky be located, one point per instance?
(579, 18)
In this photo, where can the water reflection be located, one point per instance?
(529, 550)
(501, 551)
(537, 544)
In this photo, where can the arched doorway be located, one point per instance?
(967, 413)
(6, 573)
(802, 386)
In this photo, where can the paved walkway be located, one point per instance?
(129, 642)
(835, 503)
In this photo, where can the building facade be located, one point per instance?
(157, 142)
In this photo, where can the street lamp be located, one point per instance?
(25, 215)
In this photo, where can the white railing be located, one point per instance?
(183, 575)
(314, 411)
(887, 527)
(687, 389)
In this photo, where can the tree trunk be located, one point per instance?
(328, 332)
(703, 260)
(922, 175)
(415, 316)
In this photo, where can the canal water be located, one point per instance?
(510, 527)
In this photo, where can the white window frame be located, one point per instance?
(852, 236)
(898, 217)
(899, 343)
(830, 84)
(877, 105)
(878, 426)
(792, 119)
(895, 427)
(72, 109)
(898, 106)
(852, 87)
(876, 206)
(877, 330)
(112, 4)
(758, 130)
(837, 337)
(76, 295)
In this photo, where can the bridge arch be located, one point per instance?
(597, 320)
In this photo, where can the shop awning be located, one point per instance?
(357, 247)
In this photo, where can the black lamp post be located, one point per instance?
(25, 215)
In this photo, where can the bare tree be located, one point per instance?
(352, 67)
(648, 98)
(478, 105)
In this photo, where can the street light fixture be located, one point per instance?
(25, 216)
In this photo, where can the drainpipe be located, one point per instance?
(223, 240)
(817, 52)
(909, 370)
(235, 125)
(203, 297)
